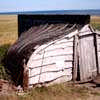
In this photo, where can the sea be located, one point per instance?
(94, 12)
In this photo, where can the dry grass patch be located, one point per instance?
(8, 29)
(95, 22)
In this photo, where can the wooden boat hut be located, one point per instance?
(53, 49)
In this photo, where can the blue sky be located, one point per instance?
(38, 5)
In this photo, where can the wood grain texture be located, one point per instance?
(75, 64)
(57, 62)
(98, 52)
(87, 59)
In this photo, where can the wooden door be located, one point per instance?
(87, 57)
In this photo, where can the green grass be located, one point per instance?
(3, 52)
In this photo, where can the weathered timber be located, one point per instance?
(87, 59)
(57, 58)
(50, 76)
(98, 51)
(75, 58)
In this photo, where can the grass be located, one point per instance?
(8, 35)
(55, 92)
(3, 52)
(95, 22)
(8, 29)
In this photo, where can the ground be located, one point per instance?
(66, 91)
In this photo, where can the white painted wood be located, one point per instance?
(58, 46)
(60, 80)
(57, 61)
(51, 59)
(56, 42)
(85, 30)
(72, 34)
(52, 76)
(52, 68)
(39, 57)
(98, 51)
(60, 52)
(98, 45)
(45, 77)
(87, 59)
(67, 50)
(33, 80)
(64, 40)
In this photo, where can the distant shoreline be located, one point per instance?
(61, 12)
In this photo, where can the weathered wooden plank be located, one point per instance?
(98, 49)
(98, 37)
(98, 41)
(59, 52)
(72, 34)
(66, 50)
(75, 64)
(50, 67)
(49, 59)
(56, 42)
(85, 30)
(68, 64)
(58, 46)
(50, 76)
(34, 80)
(66, 56)
(64, 40)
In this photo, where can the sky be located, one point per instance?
(41, 5)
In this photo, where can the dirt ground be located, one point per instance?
(6, 88)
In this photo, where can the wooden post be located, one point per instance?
(75, 63)
(25, 75)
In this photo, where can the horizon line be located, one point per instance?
(45, 10)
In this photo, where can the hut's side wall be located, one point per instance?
(54, 63)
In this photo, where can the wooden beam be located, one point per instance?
(75, 63)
